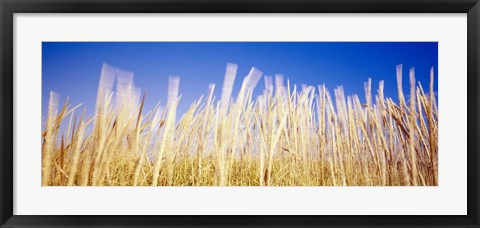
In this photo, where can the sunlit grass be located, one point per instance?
(285, 137)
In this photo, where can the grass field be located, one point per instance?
(287, 136)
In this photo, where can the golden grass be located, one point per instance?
(284, 137)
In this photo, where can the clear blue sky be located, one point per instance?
(73, 68)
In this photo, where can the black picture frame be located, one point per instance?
(9, 7)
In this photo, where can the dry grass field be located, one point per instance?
(288, 136)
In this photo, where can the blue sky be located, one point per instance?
(73, 68)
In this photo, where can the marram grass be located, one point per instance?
(285, 137)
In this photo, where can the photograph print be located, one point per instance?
(239, 114)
